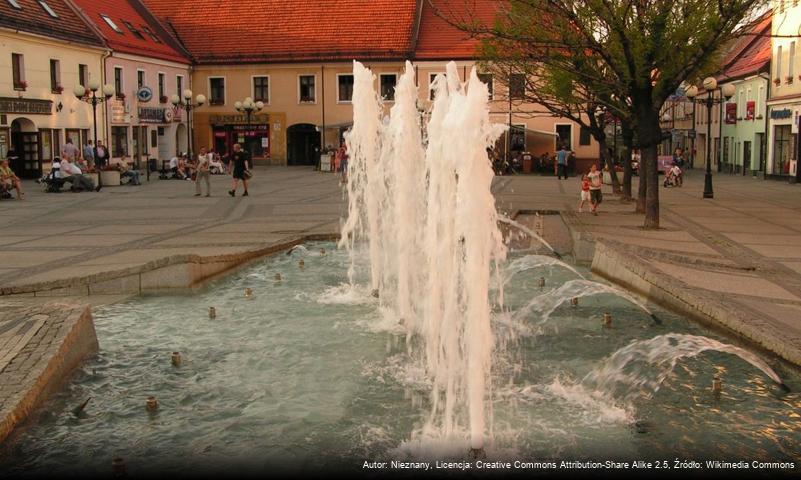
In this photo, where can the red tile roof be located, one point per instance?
(750, 54)
(121, 11)
(32, 18)
(219, 32)
(439, 39)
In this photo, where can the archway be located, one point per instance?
(180, 139)
(302, 144)
(24, 153)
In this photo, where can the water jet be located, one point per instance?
(717, 385)
(301, 263)
(607, 321)
(278, 277)
(248, 292)
(574, 301)
(151, 404)
(176, 359)
(541, 283)
(212, 312)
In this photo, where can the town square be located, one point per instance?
(406, 238)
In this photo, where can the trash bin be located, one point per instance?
(528, 163)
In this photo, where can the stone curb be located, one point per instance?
(171, 272)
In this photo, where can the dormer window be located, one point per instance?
(133, 30)
(150, 34)
(111, 23)
(47, 9)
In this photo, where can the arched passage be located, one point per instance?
(24, 153)
(302, 144)
(180, 139)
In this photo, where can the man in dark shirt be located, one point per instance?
(241, 169)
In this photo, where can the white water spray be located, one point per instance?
(428, 217)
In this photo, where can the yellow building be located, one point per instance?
(45, 51)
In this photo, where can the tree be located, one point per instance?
(627, 55)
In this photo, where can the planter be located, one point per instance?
(110, 178)
(92, 176)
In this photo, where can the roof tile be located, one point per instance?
(32, 18)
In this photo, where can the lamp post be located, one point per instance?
(187, 104)
(710, 85)
(249, 107)
(93, 86)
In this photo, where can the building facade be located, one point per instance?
(147, 67)
(303, 74)
(784, 104)
(46, 49)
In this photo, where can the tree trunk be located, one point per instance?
(606, 159)
(643, 183)
(650, 135)
(610, 165)
(628, 142)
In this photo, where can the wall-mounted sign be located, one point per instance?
(168, 114)
(154, 115)
(750, 110)
(26, 105)
(237, 119)
(781, 114)
(117, 112)
(731, 113)
(144, 94)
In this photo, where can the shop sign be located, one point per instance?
(144, 94)
(117, 112)
(750, 110)
(781, 114)
(26, 105)
(154, 115)
(265, 142)
(237, 119)
(251, 128)
(731, 113)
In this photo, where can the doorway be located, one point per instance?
(24, 155)
(564, 136)
(302, 144)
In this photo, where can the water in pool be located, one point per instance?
(309, 374)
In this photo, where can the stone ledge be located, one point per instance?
(64, 340)
(181, 271)
(634, 273)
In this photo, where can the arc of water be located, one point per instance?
(548, 302)
(528, 231)
(663, 353)
(535, 261)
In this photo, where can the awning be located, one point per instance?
(337, 125)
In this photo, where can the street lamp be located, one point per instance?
(710, 85)
(93, 86)
(187, 104)
(692, 93)
(249, 107)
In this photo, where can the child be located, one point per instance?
(585, 192)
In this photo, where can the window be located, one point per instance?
(47, 9)
(55, 75)
(119, 141)
(261, 89)
(133, 30)
(161, 85)
(791, 67)
(111, 23)
(564, 136)
(741, 105)
(517, 143)
(517, 86)
(584, 136)
(15, 4)
(140, 78)
(216, 91)
(486, 78)
(306, 87)
(779, 62)
(179, 84)
(432, 77)
(83, 74)
(150, 34)
(345, 87)
(388, 82)
(18, 71)
(758, 105)
(118, 82)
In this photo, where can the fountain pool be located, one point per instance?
(311, 374)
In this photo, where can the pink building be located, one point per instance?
(146, 66)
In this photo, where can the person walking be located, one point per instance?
(561, 162)
(203, 172)
(241, 169)
(69, 151)
(585, 192)
(596, 182)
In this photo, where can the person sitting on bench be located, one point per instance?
(126, 171)
(80, 182)
(10, 179)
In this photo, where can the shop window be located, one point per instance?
(517, 86)
(119, 141)
(179, 85)
(18, 71)
(261, 89)
(307, 93)
(216, 91)
(388, 83)
(486, 78)
(344, 88)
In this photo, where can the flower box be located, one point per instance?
(58, 90)
(164, 99)
(777, 81)
(21, 85)
(788, 79)
(121, 96)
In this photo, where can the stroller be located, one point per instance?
(52, 182)
(673, 177)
